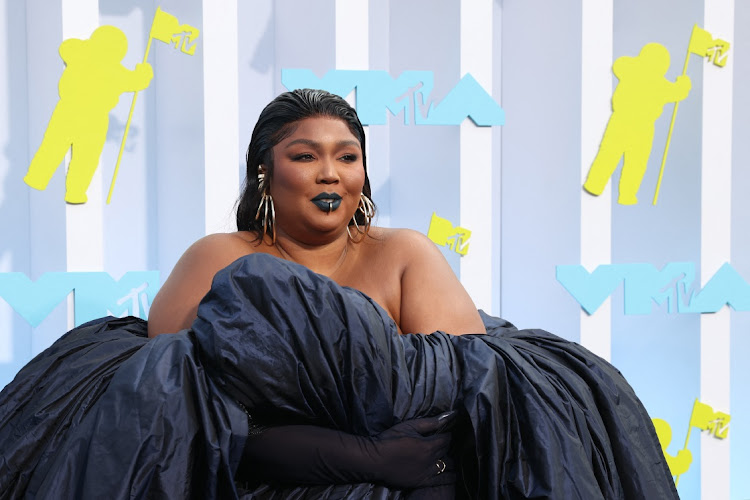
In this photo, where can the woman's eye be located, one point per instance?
(303, 157)
(349, 158)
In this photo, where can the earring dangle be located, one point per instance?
(367, 208)
(266, 206)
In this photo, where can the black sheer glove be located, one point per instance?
(409, 455)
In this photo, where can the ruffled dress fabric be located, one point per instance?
(107, 413)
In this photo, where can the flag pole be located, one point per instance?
(130, 115)
(687, 439)
(669, 134)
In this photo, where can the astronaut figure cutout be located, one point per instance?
(90, 86)
(637, 102)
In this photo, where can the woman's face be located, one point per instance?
(317, 179)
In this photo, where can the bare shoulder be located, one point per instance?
(407, 243)
(403, 236)
(175, 305)
(432, 297)
(207, 256)
(220, 248)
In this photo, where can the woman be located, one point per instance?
(307, 200)
(298, 319)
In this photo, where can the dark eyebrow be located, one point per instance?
(316, 144)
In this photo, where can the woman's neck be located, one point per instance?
(325, 258)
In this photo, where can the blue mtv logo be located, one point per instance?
(644, 285)
(377, 91)
(96, 294)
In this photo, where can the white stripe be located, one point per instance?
(84, 224)
(716, 188)
(497, 179)
(352, 34)
(220, 113)
(476, 157)
(353, 43)
(379, 153)
(596, 211)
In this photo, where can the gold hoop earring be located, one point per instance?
(266, 206)
(367, 208)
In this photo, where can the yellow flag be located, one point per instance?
(700, 41)
(166, 28)
(702, 415)
(443, 233)
(705, 418)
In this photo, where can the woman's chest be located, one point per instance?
(378, 279)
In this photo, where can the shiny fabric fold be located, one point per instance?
(107, 413)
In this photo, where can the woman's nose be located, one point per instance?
(328, 173)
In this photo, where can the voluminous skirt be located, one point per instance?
(107, 413)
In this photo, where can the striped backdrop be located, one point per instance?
(548, 63)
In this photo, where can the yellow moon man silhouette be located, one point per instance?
(90, 86)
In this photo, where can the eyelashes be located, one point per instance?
(307, 157)
(303, 157)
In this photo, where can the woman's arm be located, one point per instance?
(176, 304)
(432, 298)
(411, 454)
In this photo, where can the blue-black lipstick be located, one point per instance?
(327, 202)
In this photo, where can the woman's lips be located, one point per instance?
(327, 202)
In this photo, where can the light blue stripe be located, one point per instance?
(424, 161)
(739, 433)
(541, 163)
(660, 353)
